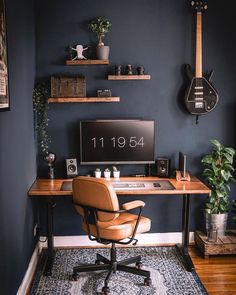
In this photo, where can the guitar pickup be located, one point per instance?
(199, 105)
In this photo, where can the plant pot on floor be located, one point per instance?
(103, 52)
(216, 222)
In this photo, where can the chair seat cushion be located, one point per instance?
(120, 228)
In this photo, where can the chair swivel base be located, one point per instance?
(112, 266)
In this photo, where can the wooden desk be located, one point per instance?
(51, 188)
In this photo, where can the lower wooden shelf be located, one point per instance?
(129, 77)
(224, 245)
(83, 99)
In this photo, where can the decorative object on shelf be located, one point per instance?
(51, 158)
(100, 26)
(71, 167)
(118, 70)
(116, 172)
(107, 173)
(219, 175)
(128, 70)
(79, 49)
(140, 70)
(41, 94)
(62, 86)
(104, 93)
(98, 173)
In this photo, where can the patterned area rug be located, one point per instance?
(167, 273)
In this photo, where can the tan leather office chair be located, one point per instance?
(96, 200)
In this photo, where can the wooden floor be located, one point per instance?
(217, 273)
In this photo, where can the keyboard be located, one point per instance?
(143, 185)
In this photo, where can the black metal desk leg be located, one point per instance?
(185, 234)
(50, 247)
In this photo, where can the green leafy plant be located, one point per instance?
(219, 174)
(114, 169)
(41, 94)
(107, 170)
(100, 26)
(98, 170)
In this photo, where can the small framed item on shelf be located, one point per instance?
(68, 86)
(104, 93)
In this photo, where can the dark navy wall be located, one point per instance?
(17, 150)
(160, 36)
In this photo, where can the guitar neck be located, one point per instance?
(198, 61)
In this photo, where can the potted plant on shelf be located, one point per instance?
(107, 173)
(98, 173)
(116, 172)
(100, 26)
(219, 175)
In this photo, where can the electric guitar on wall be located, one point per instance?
(201, 97)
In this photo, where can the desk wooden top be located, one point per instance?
(52, 187)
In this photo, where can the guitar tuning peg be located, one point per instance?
(192, 3)
(205, 7)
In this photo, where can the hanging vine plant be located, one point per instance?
(41, 94)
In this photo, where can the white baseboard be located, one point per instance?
(147, 239)
(28, 277)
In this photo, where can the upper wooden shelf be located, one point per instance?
(129, 77)
(83, 99)
(87, 62)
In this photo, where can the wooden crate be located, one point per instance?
(62, 86)
(224, 245)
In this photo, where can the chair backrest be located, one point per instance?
(95, 192)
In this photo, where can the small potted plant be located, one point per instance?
(116, 173)
(219, 175)
(107, 173)
(100, 26)
(98, 173)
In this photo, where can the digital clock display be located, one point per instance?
(116, 141)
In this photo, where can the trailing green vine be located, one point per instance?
(41, 94)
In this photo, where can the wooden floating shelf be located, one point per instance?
(83, 99)
(129, 77)
(87, 62)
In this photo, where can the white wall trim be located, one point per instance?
(147, 239)
(28, 277)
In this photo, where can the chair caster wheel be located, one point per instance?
(138, 265)
(98, 262)
(147, 282)
(105, 291)
(74, 277)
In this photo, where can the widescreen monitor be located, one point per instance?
(117, 142)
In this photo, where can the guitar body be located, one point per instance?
(201, 97)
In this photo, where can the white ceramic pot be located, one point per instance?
(98, 174)
(116, 174)
(107, 174)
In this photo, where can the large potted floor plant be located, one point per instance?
(100, 26)
(219, 175)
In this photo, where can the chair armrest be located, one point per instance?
(132, 205)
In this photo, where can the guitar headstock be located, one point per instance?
(199, 6)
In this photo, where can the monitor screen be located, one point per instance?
(117, 142)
